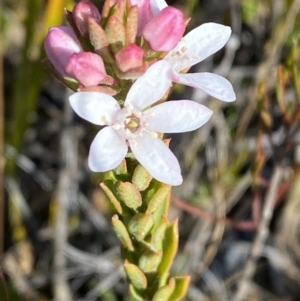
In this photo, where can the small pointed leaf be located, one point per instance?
(159, 197)
(107, 7)
(165, 292)
(115, 32)
(141, 178)
(131, 25)
(97, 35)
(112, 198)
(181, 287)
(149, 261)
(99, 41)
(170, 246)
(135, 294)
(129, 194)
(122, 233)
(158, 234)
(140, 225)
(135, 275)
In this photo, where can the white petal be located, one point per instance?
(157, 158)
(157, 6)
(107, 150)
(151, 86)
(177, 116)
(198, 44)
(213, 84)
(95, 107)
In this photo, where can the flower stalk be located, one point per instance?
(149, 240)
(122, 64)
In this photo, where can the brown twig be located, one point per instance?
(261, 237)
(241, 225)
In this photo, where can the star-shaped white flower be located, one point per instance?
(137, 124)
(196, 46)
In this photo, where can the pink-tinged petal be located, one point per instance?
(107, 150)
(82, 12)
(144, 13)
(165, 30)
(177, 116)
(130, 57)
(151, 86)
(198, 44)
(157, 6)
(95, 107)
(213, 84)
(157, 158)
(87, 67)
(138, 2)
(60, 44)
(147, 9)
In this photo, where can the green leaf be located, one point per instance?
(135, 294)
(129, 194)
(159, 201)
(158, 234)
(141, 178)
(170, 246)
(140, 225)
(181, 287)
(122, 233)
(164, 293)
(159, 197)
(112, 198)
(135, 275)
(150, 260)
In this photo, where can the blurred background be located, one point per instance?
(239, 204)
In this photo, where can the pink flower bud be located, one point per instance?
(60, 44)
(165, 30)
(82, 12)
(87, 67)
(130, 57)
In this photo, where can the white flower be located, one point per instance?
(136, 124)
(196, 46)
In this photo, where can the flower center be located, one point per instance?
(132, 123)
(129, 122)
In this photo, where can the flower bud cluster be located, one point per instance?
(101, 51)
(134, 51)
